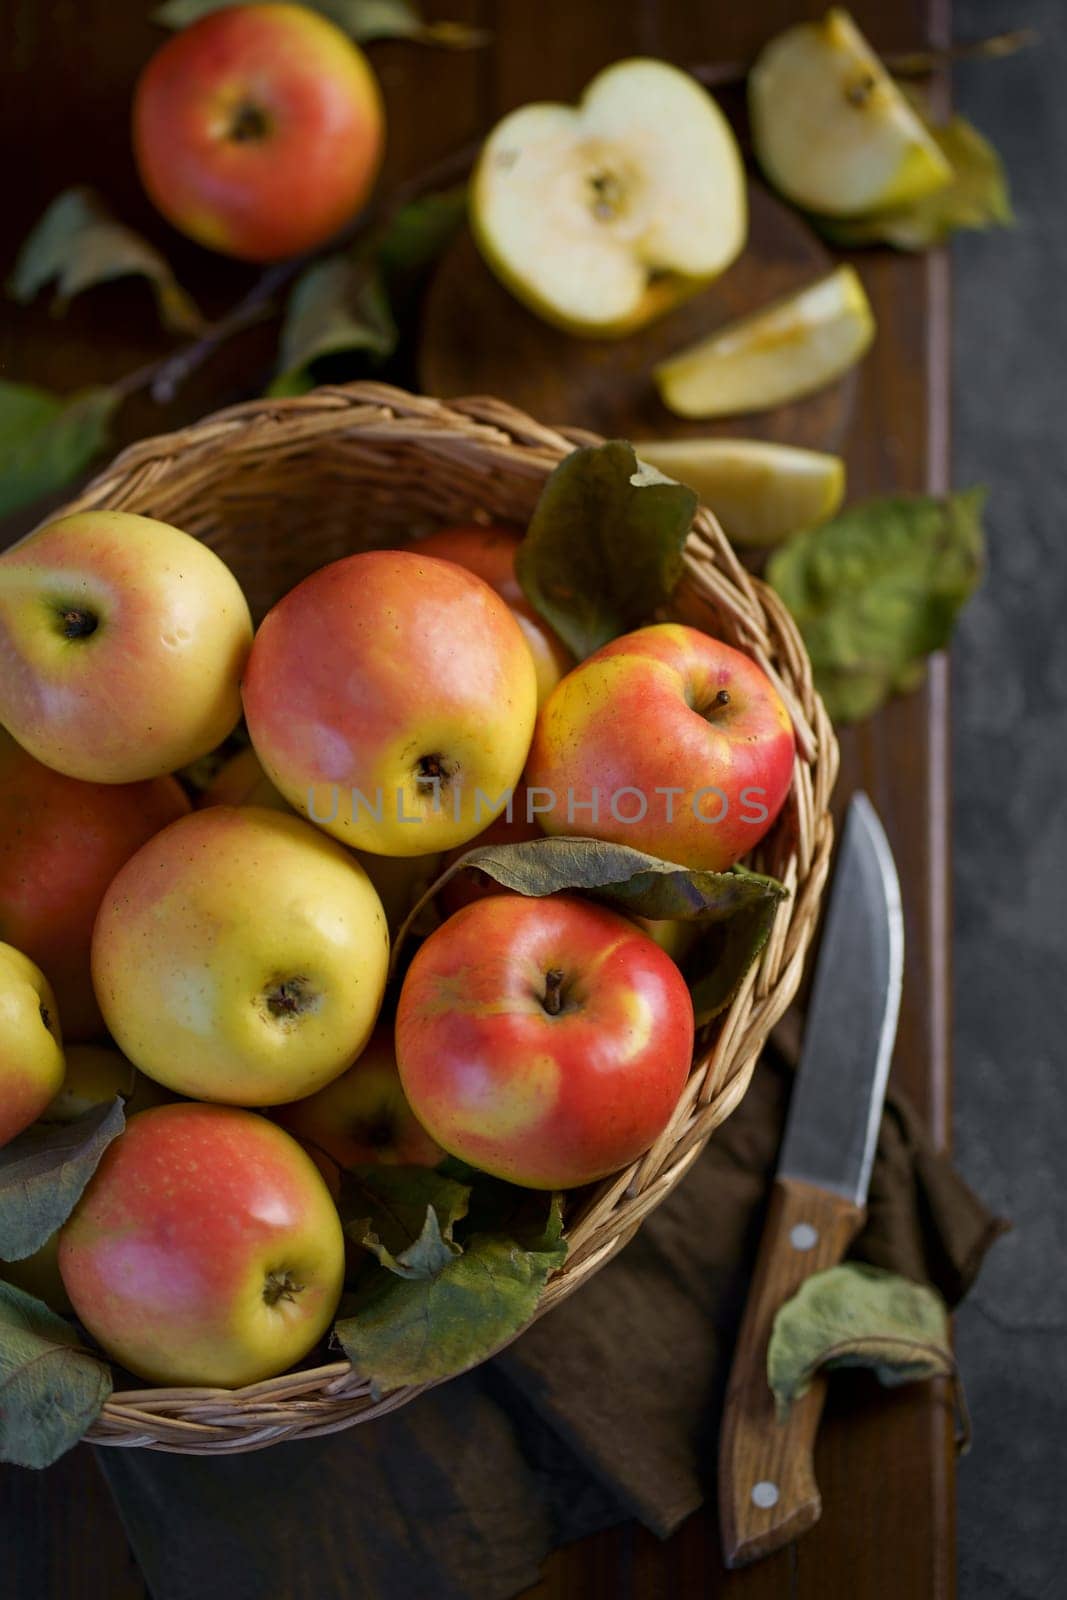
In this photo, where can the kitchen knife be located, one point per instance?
(767, 1489)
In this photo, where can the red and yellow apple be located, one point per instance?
(95, 1076)
(667, 740)
(362, 1118)
(31, 1045)
(122, 642)
(205, 1250)
(490, 553)
(61, 843)
(544, 1041)
(259, 130)
(391, 698)
(241, 956)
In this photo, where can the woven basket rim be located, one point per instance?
(498, 447)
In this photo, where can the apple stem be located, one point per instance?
(164, 377)
(289, 997)
(553, 996)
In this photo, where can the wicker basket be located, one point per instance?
(278, 488)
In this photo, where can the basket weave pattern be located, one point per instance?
(280, 487)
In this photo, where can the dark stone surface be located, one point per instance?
(1010, 721)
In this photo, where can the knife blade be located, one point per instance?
(767, 1490)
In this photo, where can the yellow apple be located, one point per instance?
(241, 781)
(95, 1075)
(399, 880)
(122, 642)
(832, 131)
(241, 956)
(362, 1118)
(31, 1045)
(602, 215)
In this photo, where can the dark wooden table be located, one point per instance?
(884, 1460)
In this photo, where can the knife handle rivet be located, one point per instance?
(765, 1495)
(802, 1236)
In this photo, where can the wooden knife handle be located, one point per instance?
(767, 1490)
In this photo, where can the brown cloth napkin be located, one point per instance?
(604, 1410)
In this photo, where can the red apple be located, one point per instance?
(259, 130)
(362, 1118)
(667, 740)
(545, 1041)
(61, 843)
(94, 1076)
(391, 698)
(490, 552)
(205, 1250)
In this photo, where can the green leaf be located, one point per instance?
(856, 1315)
(78, 243)
(46, 440)
(392, 1202)
(977, 197)
(879, 588)
(717, 966)
(419, 232)
(44, 1172)
(628, 879)
(51, 1390)
(604, 545)
(424, 1257)
(344, 305)
(338, 307)
(362, 19)
(402, 1331)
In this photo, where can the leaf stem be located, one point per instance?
(164, 377)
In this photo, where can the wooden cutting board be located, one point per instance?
(477, 339)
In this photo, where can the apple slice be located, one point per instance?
(795, 346)
(601, 216)
(761, 493)
(832, 131)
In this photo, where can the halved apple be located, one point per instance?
(792, 348)
(832, 131)
(760, 492)
(601, 216)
